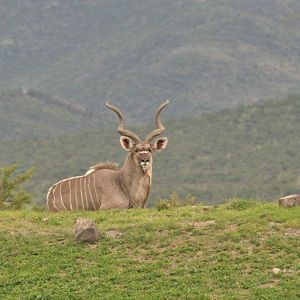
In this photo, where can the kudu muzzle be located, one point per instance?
(144, 158)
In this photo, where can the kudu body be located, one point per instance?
(107, 186)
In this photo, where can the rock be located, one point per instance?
(293, 232)
(209, 207)
(206, 208)
(114, 234)
(276, 271)
(289, 201)
(86, 230)
(201, 223)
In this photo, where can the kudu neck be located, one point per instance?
(132, 169)
(136, 182)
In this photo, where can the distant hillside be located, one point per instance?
(252, 151)
(204, 55)
(31, 114)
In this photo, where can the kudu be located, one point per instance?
(108, 186)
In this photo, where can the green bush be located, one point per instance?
(11, 194)
(39, 208)
(174, 201)
(241, 204)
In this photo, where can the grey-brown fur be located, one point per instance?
(102, 189)
(105, 185)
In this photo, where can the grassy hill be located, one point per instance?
(204, 55)
(30, 114)
(226, 252)
(251, 151)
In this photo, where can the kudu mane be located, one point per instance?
(109, 165)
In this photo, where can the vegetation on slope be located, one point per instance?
(249, 152)
(226, 252)
(30, 114)
(12, 196)
(209, 54)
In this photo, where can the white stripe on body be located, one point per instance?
(99, 203)
(70, 198)
(76, 200)
(89, 186)
(49, 191)
(53, 201)
(60, 193)
(82, 202)
(85, 193)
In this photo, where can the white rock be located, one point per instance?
(276, 271)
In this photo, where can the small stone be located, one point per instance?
(92, 246)
(46, 219)
(201, 223)
(206, 208)
(86, 230)
(293, 232)
(114, 233)
(276, 271)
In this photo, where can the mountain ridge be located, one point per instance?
(203, 55)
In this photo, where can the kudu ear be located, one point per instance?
(126, 143)
(160, 144)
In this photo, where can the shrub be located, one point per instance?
(241, 204)
(39, 208)
(174, 201)
(11, 194)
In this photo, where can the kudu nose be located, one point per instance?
(145, 160)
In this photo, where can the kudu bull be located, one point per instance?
(108, 186)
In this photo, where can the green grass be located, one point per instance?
(168, 254)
